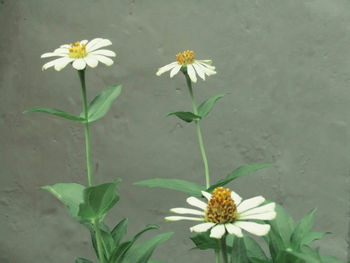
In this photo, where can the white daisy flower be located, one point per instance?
(186, 60)
(226, 212)
(82, 53)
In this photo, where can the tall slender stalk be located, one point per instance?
(199, 134)
(86, 125)
(88, 161)
(217, 256)
(224, 249)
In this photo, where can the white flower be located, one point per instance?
(186, 59)
(82, 53)
(226, 212)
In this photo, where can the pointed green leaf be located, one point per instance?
(253, 248)
(242, 170)
(312, 236)
(302, 229)
(185, 116)
(307, 255)
(283, 223)
(141, 252)
(100, 105)
(174, 184)
(119, 252)
(119, 231)
(82, 260)
(205, 108)
(108, 244)
(204, 241)
(239, 252)
(98, 200)
(56, 112)
(70, 194)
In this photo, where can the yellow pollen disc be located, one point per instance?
(221, 208)
(186, 57)
(77, 51)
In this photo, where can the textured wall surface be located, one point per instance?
(284, 64)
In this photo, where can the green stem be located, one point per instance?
(86, 125)
(224, 249)
(199, 134)
(98, 241)
(88, 161)
(217, 256)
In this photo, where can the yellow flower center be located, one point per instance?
(77, 51)
(186, 57)
(221, 208)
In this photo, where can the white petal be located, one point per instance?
(250, 203)
(234, 230)
(178, 218)
(93, 42)
(83, 42)
(259, 210)
(91, 61)
(97, 44)
(254, 228)
(217, 231)
(79, 64)
(206, 63)
(103, 52)
(262, 216)
(60, 64)
(202, 227)
(61, 51)
(236, 198)
(175, 70)
(52, 63)
(196, 202)
(181, 210)
(52, 54)
(208, 71)
(166, 68)
(105, 60)
(206, 195)
(191, 73)
(199, 70)
(65, 46)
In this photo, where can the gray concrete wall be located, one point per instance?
(285, 65)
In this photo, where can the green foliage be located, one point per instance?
(119, 231)
(70, 194)
(192, 189)
(98, 200)
(100, 105)
(205, 108)
(242, 170)
(141, 252)
(185, 116)
(57, 112)
(204, 241)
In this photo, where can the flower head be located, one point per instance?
(186, 60)
(226, 212)
(82, 53)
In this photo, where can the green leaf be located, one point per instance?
(107, 241)
(204, 241)
(242, 170)
(253, 248)
(82, 260)
(192, 189)
(283, 224)
(119, 252)
(307, 254)
(56, 112)
(141, 252)
(98, 200)
(185, 116)
(302, 229)
(100, 105)
(206, 106)
(330, 259)
(312, 236)
(239, 252)
(70, 194)
(119, 231)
